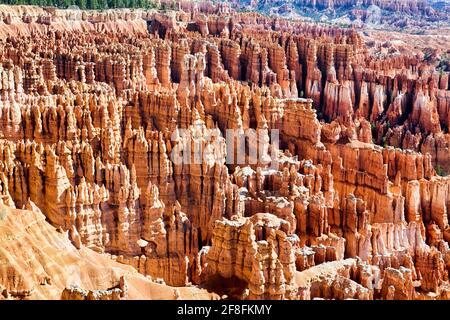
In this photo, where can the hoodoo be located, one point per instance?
(198, 151)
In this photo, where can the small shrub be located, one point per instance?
(440, 171)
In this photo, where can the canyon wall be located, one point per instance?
(353, 195)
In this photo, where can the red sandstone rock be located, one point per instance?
(92, 113)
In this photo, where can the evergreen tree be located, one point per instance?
(142, 4)
(86, 4)
(92, 4)
(81, 4)
(112, 4)
(102, 4)
(66, 3)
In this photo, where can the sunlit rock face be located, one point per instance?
(117, 130)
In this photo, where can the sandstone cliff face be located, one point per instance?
(95, 117)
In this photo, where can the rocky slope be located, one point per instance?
(94, 107)
(379, 14)
(39, 262)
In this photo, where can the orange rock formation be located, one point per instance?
(91, 113)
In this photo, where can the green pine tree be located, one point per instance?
(81, 4)
(102, 4)
(92, 4)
